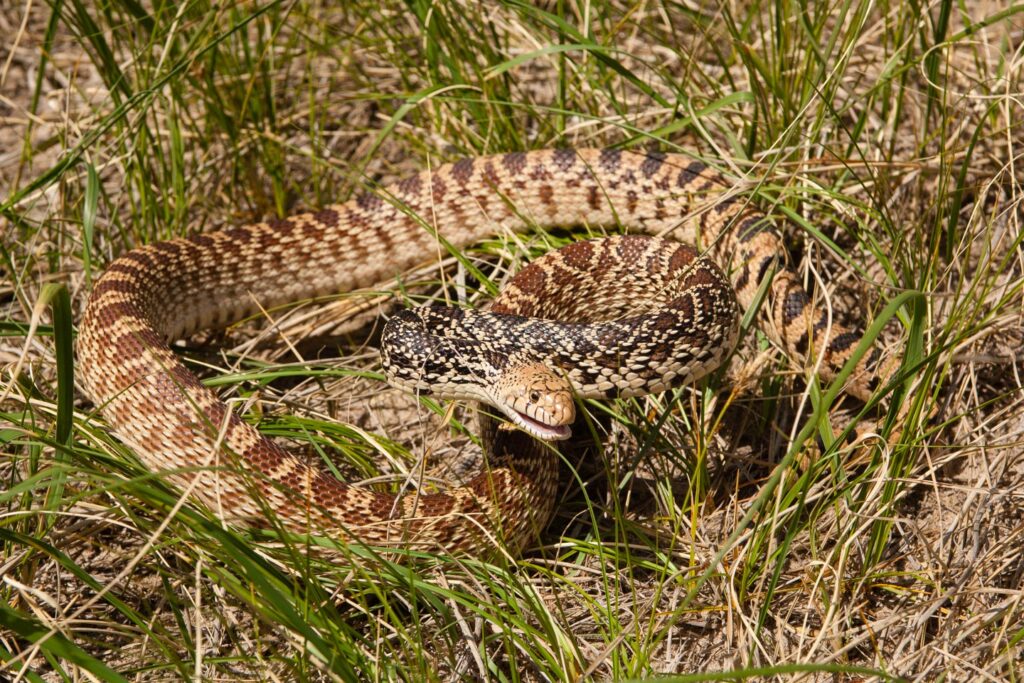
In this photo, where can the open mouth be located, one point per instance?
(539, 429)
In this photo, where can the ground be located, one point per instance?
(720, 532)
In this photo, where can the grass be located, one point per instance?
(889, 135)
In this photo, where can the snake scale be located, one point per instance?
(164, 291)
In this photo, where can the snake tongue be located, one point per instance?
(539, 429)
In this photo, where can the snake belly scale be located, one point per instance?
(167, 290)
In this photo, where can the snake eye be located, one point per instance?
(534, 396)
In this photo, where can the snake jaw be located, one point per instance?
(538, 429)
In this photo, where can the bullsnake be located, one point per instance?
(167, 290)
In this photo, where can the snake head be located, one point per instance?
(537, 400)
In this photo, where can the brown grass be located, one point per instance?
(900, 555)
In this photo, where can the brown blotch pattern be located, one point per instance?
(462, 170)
(410, 187)
(546, 194)
(610, 160)
(652, 164)
(162, 411)
(369, 202)
(514, 162)
(563, 159)
(322, 222)
(578, 254)
(692, 171)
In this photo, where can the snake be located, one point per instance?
(648, 310)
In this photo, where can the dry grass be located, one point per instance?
(699, 547)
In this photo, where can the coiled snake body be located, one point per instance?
(662, 316)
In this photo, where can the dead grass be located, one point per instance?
(893, 130)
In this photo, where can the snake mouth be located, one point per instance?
(538, 429)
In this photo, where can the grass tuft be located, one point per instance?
(730, 531)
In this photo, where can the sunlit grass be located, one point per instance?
(703, 539)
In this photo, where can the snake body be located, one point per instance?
(586, 321)
(161, 292)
